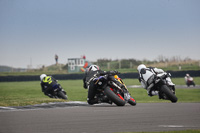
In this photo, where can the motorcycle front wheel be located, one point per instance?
(132, 101)
(116, 98)
(62, 95)
(169, 94)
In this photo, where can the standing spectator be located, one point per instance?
(56, 58)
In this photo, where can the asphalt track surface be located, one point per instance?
(79, 117)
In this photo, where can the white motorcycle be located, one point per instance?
(164, 87)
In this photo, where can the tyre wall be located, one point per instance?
(175, 74)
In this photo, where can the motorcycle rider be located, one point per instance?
(48, 83)
(189, 80)
(147, 76)
(91, 74)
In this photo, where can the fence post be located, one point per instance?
(108, 65)
(119, 64)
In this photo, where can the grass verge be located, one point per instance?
(29, 93)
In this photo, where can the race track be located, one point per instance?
(75, 117)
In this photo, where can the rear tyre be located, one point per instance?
(62, 95)
(169, 94)
(117, 99)
(132, 101)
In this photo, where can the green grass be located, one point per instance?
(177, 81)
(29, 93)
(21, 93)
(185, 131)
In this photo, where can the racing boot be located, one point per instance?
(104, 99)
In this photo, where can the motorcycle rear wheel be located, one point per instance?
(169, 94)
(62, 95)
(117, 99)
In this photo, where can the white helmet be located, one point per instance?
(42, 76)
(93, 68)
(141, 66)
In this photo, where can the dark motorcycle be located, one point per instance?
(58, 92)
(166, 90)
(190, 81)
(108, 88)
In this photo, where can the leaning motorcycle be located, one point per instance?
(108, 88)
(190, 81)
(165, 88)
(58, 92)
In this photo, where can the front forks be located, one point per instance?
(127, 96)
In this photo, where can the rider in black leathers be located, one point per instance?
(88, 83)
(48, 83)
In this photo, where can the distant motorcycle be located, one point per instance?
(190, 81)
(107, 87)
(165, 90)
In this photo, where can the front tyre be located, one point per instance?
(169, 94)
(116, 98)
(62, 95)
(132, 101)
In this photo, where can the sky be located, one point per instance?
(33, 31)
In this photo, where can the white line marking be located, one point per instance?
(6, 107)
(171, 126)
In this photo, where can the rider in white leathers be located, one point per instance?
(147, 75)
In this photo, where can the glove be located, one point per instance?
(114, 72)
(168, 74)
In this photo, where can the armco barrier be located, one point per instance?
(80, 76)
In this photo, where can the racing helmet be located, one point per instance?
(187, 75)
(42, 76)
(140, 67)
(93, 68)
